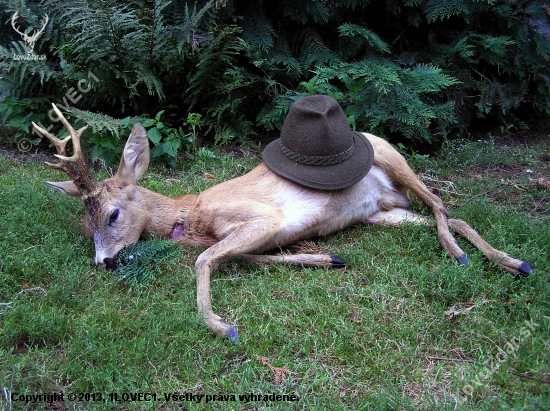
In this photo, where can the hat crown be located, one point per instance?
(317, 147)
(316, 126)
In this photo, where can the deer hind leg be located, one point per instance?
(503, 260)
(399, 216)
(243, 239)
(397, 168)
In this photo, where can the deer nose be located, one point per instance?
(110, 263)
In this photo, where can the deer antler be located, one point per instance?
(74, 166)
(38, 32)
(13, 18)
(27, 38)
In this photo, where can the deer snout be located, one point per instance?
(110, 263)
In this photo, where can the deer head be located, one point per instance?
(116, 212)
(29, 39)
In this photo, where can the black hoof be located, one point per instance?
(525, 270)
(336, 262)
(463, 260)
(232, 334)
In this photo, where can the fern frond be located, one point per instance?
(194, 20)
(31, 74)
(102, 123)
(367, 36)
(493, 49)
(146, 77)
(412, 3)
(272, 116)
(442, 10)
(314, 51)
(303, 11)
(258, 32)
(215, 58)
(427, 79)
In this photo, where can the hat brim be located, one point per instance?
(331, 177)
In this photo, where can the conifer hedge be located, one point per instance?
(416, 69)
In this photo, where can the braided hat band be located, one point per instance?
(317, 148)
(316, 160)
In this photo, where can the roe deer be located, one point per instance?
(249, 215)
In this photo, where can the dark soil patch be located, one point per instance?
(480, 171)
(24, 156)
(239, 151)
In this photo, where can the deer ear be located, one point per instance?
(135, 157)
(66, 187)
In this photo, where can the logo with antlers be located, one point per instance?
(30, 35)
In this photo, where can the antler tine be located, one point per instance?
(38, 32)
(13, 18)
(74, 166)
(75, 135)
(60, 145)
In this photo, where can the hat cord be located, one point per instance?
(317, 160)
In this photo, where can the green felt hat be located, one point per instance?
(317, 148)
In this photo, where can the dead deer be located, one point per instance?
(249, 215)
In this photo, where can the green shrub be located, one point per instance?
(108, 135)
(17, 116)
(417, 69)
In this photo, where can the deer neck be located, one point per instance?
(168, 214)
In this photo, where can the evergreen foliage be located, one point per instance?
(138, 263)
(419, 69)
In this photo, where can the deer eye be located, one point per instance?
(113, 217)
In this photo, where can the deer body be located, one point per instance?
(262, 197)
(251, 214)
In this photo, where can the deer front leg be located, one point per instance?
(244, 239)
(302, 260)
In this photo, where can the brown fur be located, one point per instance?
(257, 212)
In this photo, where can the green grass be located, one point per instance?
(361, 338)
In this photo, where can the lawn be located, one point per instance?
(402, 327)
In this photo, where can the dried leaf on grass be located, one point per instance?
(439, 185)
(512, 184)
(284, 293)
(539, 182)
(466, 307)
(527, 299)
(278, 373)
(542, 183)
(355, 317)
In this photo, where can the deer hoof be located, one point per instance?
(463, 260)
(232, 334)
(336, 262)
(525, 269)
